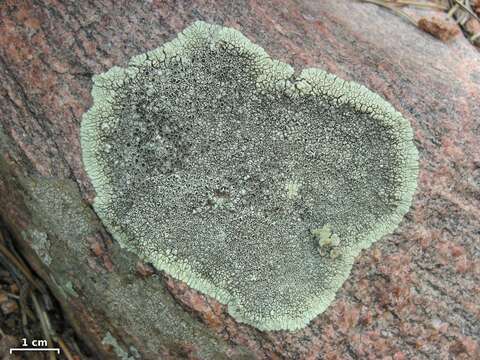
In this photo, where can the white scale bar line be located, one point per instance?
(34, 349)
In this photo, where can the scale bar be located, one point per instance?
(35, 349)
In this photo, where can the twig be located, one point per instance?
(64, 347)
(419, 4)
(467, 9)
(466, 14)
(13, 296)
(18, 263)
(25, 291)
(474, 38)
(453, 10)
(44, 323)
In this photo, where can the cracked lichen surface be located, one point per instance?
(217, 164)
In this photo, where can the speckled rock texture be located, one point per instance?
(413, 295)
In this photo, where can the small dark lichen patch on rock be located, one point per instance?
(214, 163)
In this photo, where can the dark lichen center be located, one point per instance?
(223, 161)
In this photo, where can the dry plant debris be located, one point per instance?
(460, 15)
(27, 309)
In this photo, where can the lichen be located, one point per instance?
(109, 340)
(292, 188)
(70, 289)
(189, 149)
(328, 243)
(40, 244)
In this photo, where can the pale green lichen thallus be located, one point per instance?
(255, 186)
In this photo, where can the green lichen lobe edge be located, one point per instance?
(274, 76)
